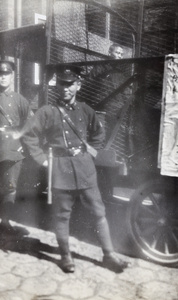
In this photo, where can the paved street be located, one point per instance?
(29, 271)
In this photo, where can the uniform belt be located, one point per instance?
(68, 152)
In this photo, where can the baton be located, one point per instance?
(50, 166)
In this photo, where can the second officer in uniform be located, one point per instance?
(14, 111)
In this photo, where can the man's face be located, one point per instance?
(5, 80)
(117, 53)
(68, 90)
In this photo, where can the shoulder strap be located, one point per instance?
(90, 149)
(6, 116)
(71, 123)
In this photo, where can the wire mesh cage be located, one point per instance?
(82, 31)
(129, 92)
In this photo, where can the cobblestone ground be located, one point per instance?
(29, 271)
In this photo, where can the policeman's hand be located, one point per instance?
(16, 135)
(45, 164)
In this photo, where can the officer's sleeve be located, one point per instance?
(95, 131)
(33, 133)
(25, 111)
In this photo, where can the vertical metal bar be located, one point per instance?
(18, 13)
(50, 166)
(18, 67)
(176, 34)
(50, 5)
(139, 29)
(108, 20)
(17, 23)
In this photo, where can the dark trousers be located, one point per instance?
(63, 202)
(9, 175)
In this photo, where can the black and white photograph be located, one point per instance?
(88, 149)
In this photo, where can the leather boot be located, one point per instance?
(10, 197)
(7, 210)
(62, 235)
(110, 261)
(67, 263)
(103, 235)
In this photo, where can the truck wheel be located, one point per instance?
(153, 222)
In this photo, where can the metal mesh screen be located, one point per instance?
(155, 23)
(9, 15)
(1, 16)
(160, 28)
(29, 8)
(129, 10)
(149, 25)
(130, 94)
(6, 15)
(84, 32)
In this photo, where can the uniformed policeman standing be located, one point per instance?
(14, 110)
(74, 171)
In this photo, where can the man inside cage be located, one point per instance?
(14, 111)
(116, 51)
(74, 133)
(103, 85)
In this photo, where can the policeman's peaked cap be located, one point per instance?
(6, 66)
(65, 73)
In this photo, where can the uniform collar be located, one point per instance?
(6, 92)
(68, 106)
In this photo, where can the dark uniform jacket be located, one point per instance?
(69, 172)
(16, 107)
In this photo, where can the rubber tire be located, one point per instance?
(153, 223)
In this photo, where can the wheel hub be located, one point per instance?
(161, 222)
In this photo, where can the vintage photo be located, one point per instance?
(88, 149)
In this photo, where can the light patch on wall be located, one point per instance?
(39, 19)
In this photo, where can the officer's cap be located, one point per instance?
(65, 73)
(6, 66)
